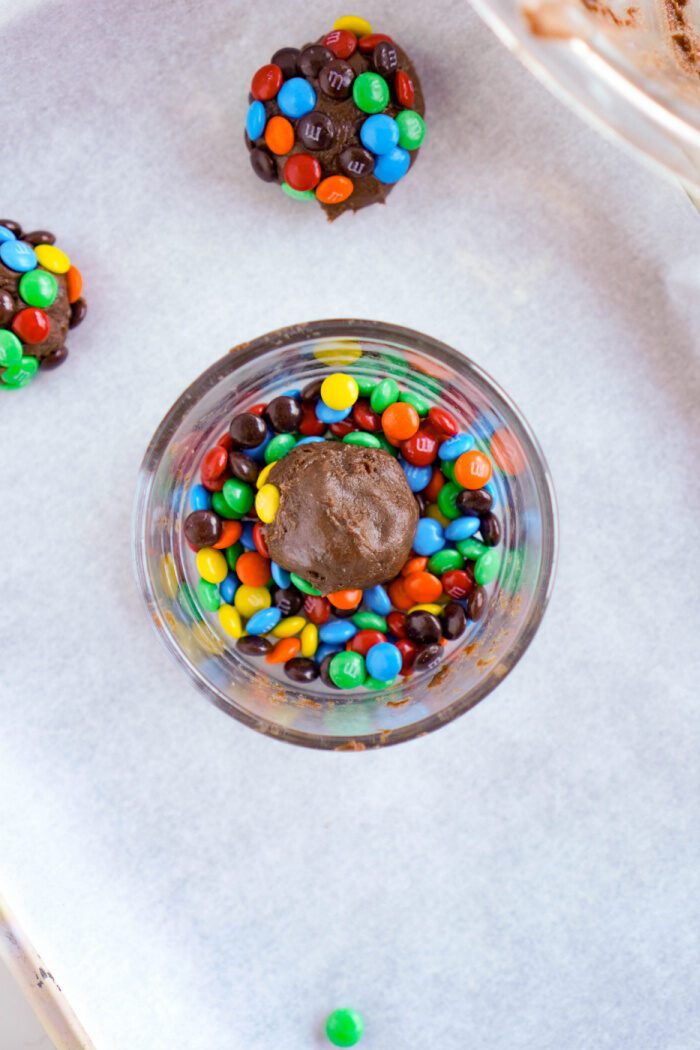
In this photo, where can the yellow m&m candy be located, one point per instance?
(309, 640)
(211, 565)
(339, 391)
(230, 620)
(52, 258)
(262, 476)
(267, 503)
(353, 24)
(249, 600)
(289, 626)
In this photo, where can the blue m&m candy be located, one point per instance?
(429, 538)
(378, 600)
(392, 166)
(337, 632)
(324, 650)
(454, 447)
(383, 661)
(247, 536)
(258, 453)
(200, 498)
(280, 575)
(380, 133)
(228, 588)
(18, 256)
(308, 440)
(418, 478)
(256, 120)
(263, 621)
(296, 97)
(6, 235)
(331, 415)
(462, 528)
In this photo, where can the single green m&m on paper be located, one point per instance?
(344, 1027)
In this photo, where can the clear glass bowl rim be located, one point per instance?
(332, 330)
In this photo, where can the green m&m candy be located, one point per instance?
(471, 549)
(278, 448)
(370, 93)
(365, 384)
(487, 566)
(411, 129)
(233, 553)
(38, 288)
(10, 349)
(345, 1027)
(385, 393)
(303, 585)
(447, 500)
(361, 437)
(420, 404)
(18, 375)
(347, 669)
(238, 495)
(208, 594)
(445, 560)
(369, 621)
(219, 504)
(298, 195)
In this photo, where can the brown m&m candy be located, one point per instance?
(339, 120)
(40, 299)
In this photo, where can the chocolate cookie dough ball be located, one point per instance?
(346, 515)
(339, 121)
(40, 299)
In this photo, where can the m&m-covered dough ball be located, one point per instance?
(339, 121)
(40, 299)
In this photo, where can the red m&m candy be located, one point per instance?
(421, 450)
(341, 42)
(365, 417)
(311, 425)
(214, 463)
(266, 82)
(457, 583)
(443, 421)
(31, 325)
(302, 172)
(403, 86)
(364, 640)
(369, 42)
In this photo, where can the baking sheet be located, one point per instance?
(526, 877)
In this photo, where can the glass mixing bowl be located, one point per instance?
(291, 358)
(631, 66)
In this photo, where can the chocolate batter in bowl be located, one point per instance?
(254, 693)
(630, 66)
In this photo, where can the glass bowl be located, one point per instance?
(630, 66)
(291, 358)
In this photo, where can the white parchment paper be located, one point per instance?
(527, 878)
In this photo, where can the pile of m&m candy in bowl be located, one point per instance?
(355, 639)
(339, 121)
(40, 300)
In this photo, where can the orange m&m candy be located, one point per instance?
(286, 649)
(230, 534)
(334, 190)
(279, 135)
(345, 599)
(74, 284)
(472, 470)
(252, 569)
(422, 586)
(432, 489)
(400, 421)
(399, 598)
(417, 564)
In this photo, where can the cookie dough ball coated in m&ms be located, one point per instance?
(40, 299)
(339, 121)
